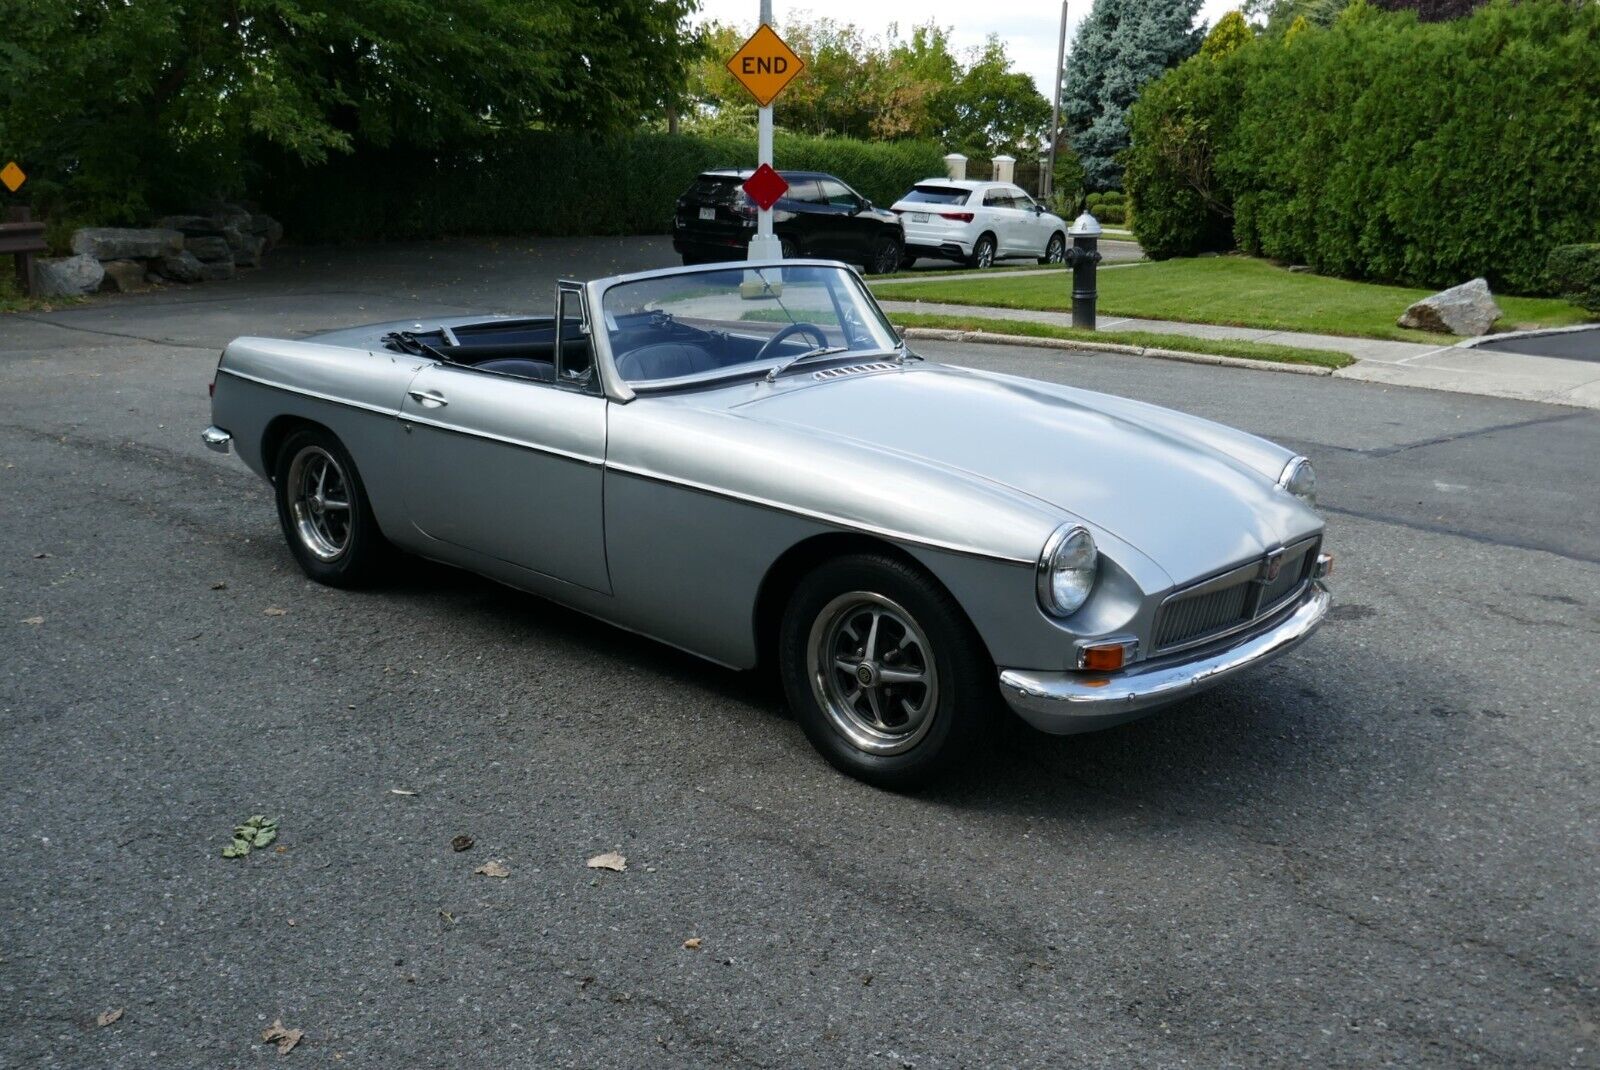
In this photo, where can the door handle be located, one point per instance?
(428, 399)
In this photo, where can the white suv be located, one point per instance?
(978, 222)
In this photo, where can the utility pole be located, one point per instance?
(1049, 179)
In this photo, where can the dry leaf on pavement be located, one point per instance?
(274, 611)
(286, 1039)
(219, 586)
(462, 842)
(610, 860)
(108, 1017)
(400, 791)
(33, 620)
(495, 868)
(692, 944)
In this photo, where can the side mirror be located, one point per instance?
(1038, 209)
(862, 205)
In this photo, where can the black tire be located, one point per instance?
(983, 251)
(691, 259)
(1055, 251)
(957, 698)
(359, 550)
(886, 255)
(791, 251)
(908, 261)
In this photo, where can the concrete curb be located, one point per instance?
(990, 338)
(1473, 343)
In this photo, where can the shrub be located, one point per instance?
(542, 182)
(1574, 272)
(1381, 147)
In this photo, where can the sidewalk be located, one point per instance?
(1457, 367)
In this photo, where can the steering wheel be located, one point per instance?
(789, 332)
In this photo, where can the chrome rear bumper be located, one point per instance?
(216, 438)
(1067, 702)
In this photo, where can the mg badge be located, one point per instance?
(1272, 565)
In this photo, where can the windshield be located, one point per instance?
(936, 195)
(730, 321)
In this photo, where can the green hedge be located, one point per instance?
(1574, 273)
(541, 182)
(1382, 147)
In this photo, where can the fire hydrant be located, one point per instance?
(1083, 256)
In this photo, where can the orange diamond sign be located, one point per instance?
(12, 176)
(764, 65)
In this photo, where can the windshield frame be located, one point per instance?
(620, 389)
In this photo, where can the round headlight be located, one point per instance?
(1300, 479)
(1067, 569)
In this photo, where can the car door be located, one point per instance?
(848, 237)
(510, 467)
(1002, 219)
(1034, 228)
(803, 216)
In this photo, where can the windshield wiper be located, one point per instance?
(810, 354)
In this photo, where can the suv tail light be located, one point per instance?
(959, 217)
(743, 206)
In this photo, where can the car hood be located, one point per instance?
(1190, 494)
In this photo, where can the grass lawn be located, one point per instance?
(1324, 358)
(1238, 291)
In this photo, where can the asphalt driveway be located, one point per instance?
(1382, 850)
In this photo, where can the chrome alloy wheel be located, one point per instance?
(872, 672)
(1056, 251)
(985, 253)
(319, 500)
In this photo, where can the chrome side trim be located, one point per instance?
(216, 439)
(810, 514)
(437, 425)
(1067, 702)
(304, 392)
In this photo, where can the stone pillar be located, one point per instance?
(955, 165)
(1005, 168)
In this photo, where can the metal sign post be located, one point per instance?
(764, 65)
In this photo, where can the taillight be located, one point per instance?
(959, 217)
(744, 207)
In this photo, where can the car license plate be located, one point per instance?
(919, 217)
(708, 213)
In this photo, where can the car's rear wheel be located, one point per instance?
(886, 254)
(1056, 250)
(884, 672)
(323, 508)
(982, 253)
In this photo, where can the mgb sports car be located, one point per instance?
(747, 462)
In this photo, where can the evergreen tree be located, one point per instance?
(1122, 46)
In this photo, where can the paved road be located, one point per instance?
(1380, 851)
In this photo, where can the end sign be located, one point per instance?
(764, 65)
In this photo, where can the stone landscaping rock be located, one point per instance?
(123, 276)
(264, 226)
(191, 225)
(127, 243)
(1467, 310)
(67, 276)
(209, 247)
(216, 271)
(185, 267)
(250, 256)
(238, 240)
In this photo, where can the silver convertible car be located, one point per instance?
(748, 463)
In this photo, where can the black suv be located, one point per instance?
(820, 216)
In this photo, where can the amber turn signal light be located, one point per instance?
(1103, 658)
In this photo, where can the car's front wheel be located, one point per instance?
(886, 254)
(1056, 250)
(324, 511)
(883, 670)
(982, 253)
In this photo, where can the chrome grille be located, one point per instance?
(1228, 602)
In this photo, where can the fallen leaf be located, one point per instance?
(42, 555)
(274, 611)
(495, 868)
(692, 944)
(286, 1039)
(400, 791)
(33, 620)
(108, 1017)
(462, 842)
(610, 860)
(219, 586)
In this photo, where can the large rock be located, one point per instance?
(185, 267)
(250, 256)
(209, 247)
(124, 276)
(1468, 309)
(238, 240)
(67, 276)
(127, 243)
(191, 225)
(264, 226)
(216, 271)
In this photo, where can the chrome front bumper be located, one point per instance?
(1067, 702)
(216, 438)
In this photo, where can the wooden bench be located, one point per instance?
(21, 237)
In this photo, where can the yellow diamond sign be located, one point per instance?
(764, 65)
(12, 176)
